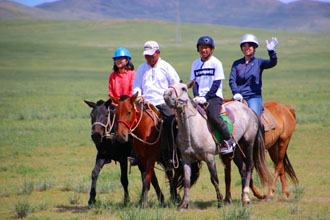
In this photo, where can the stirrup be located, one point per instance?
(226, 150)
(132, 160)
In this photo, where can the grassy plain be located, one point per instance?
(47, 69)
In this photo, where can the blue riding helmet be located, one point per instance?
(121, 52)
(207, 40)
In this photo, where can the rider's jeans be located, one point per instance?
(256, 105)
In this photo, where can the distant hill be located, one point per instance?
(305, 15)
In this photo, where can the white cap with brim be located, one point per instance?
(150, 47)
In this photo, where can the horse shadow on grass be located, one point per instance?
(72, 209)
(213, 203)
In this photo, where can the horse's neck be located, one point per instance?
(145, 122)
(185, 119)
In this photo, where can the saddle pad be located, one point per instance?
(268, 120)
(215, 133)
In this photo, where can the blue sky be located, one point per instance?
(37, 2)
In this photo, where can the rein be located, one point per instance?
(178, 100)
(106, 130)
(138, 123)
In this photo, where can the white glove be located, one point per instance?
(140, 99)
(238, 97)
(270, 46)
(200, 100)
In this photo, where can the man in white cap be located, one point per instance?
(152, 79)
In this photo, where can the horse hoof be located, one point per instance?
(269, 198)
(91, 202)
(227, 201)
(246, 203)
(183, 207)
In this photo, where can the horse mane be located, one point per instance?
(123, 97)
(100, 102)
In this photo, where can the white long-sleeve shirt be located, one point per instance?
(152, 82)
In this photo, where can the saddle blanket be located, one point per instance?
(215, 133)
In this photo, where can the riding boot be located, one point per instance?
(228, 141)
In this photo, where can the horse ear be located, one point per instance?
(114, 99)
(173, 82)
(90, 104)
(191, 84)
(107, 103)
(134, 97)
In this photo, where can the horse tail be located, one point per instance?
(259, 157)
(292, 110)
(195, 167)
(289, 169)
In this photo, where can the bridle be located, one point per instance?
(131, 129)
(134, 120)
(106, 126)
(178, 101)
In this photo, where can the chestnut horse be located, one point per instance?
(146, 128)
(276, 141)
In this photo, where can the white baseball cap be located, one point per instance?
(150, 47)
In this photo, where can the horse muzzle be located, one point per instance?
(169, 97)
(123, 138)
(97, 134)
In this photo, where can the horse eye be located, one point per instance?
(184, 89)
(128, 113)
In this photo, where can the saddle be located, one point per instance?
(267, 120)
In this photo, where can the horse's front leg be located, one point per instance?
(173, 184)
(146, 179)
(187, 174)
(124, 179)
(99, 163)
(214, 177)
(226, 159)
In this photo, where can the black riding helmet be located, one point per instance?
(207, 40)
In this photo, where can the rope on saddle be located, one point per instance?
(155, 121)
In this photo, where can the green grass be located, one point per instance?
(47, 69)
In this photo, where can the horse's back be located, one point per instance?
(285, 118)
(279, 111)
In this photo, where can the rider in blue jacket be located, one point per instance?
(246, 73)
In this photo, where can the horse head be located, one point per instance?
(100, 119)
(126, 116)
(176, 96)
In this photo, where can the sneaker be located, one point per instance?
(133, 161)
(228, 146)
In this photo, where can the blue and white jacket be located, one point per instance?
(246, 77)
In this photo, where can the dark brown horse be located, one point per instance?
(108, 148)
(276, 141)
(144, 125)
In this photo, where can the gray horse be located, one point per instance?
(196, 143)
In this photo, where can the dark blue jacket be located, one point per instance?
(246, 78)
